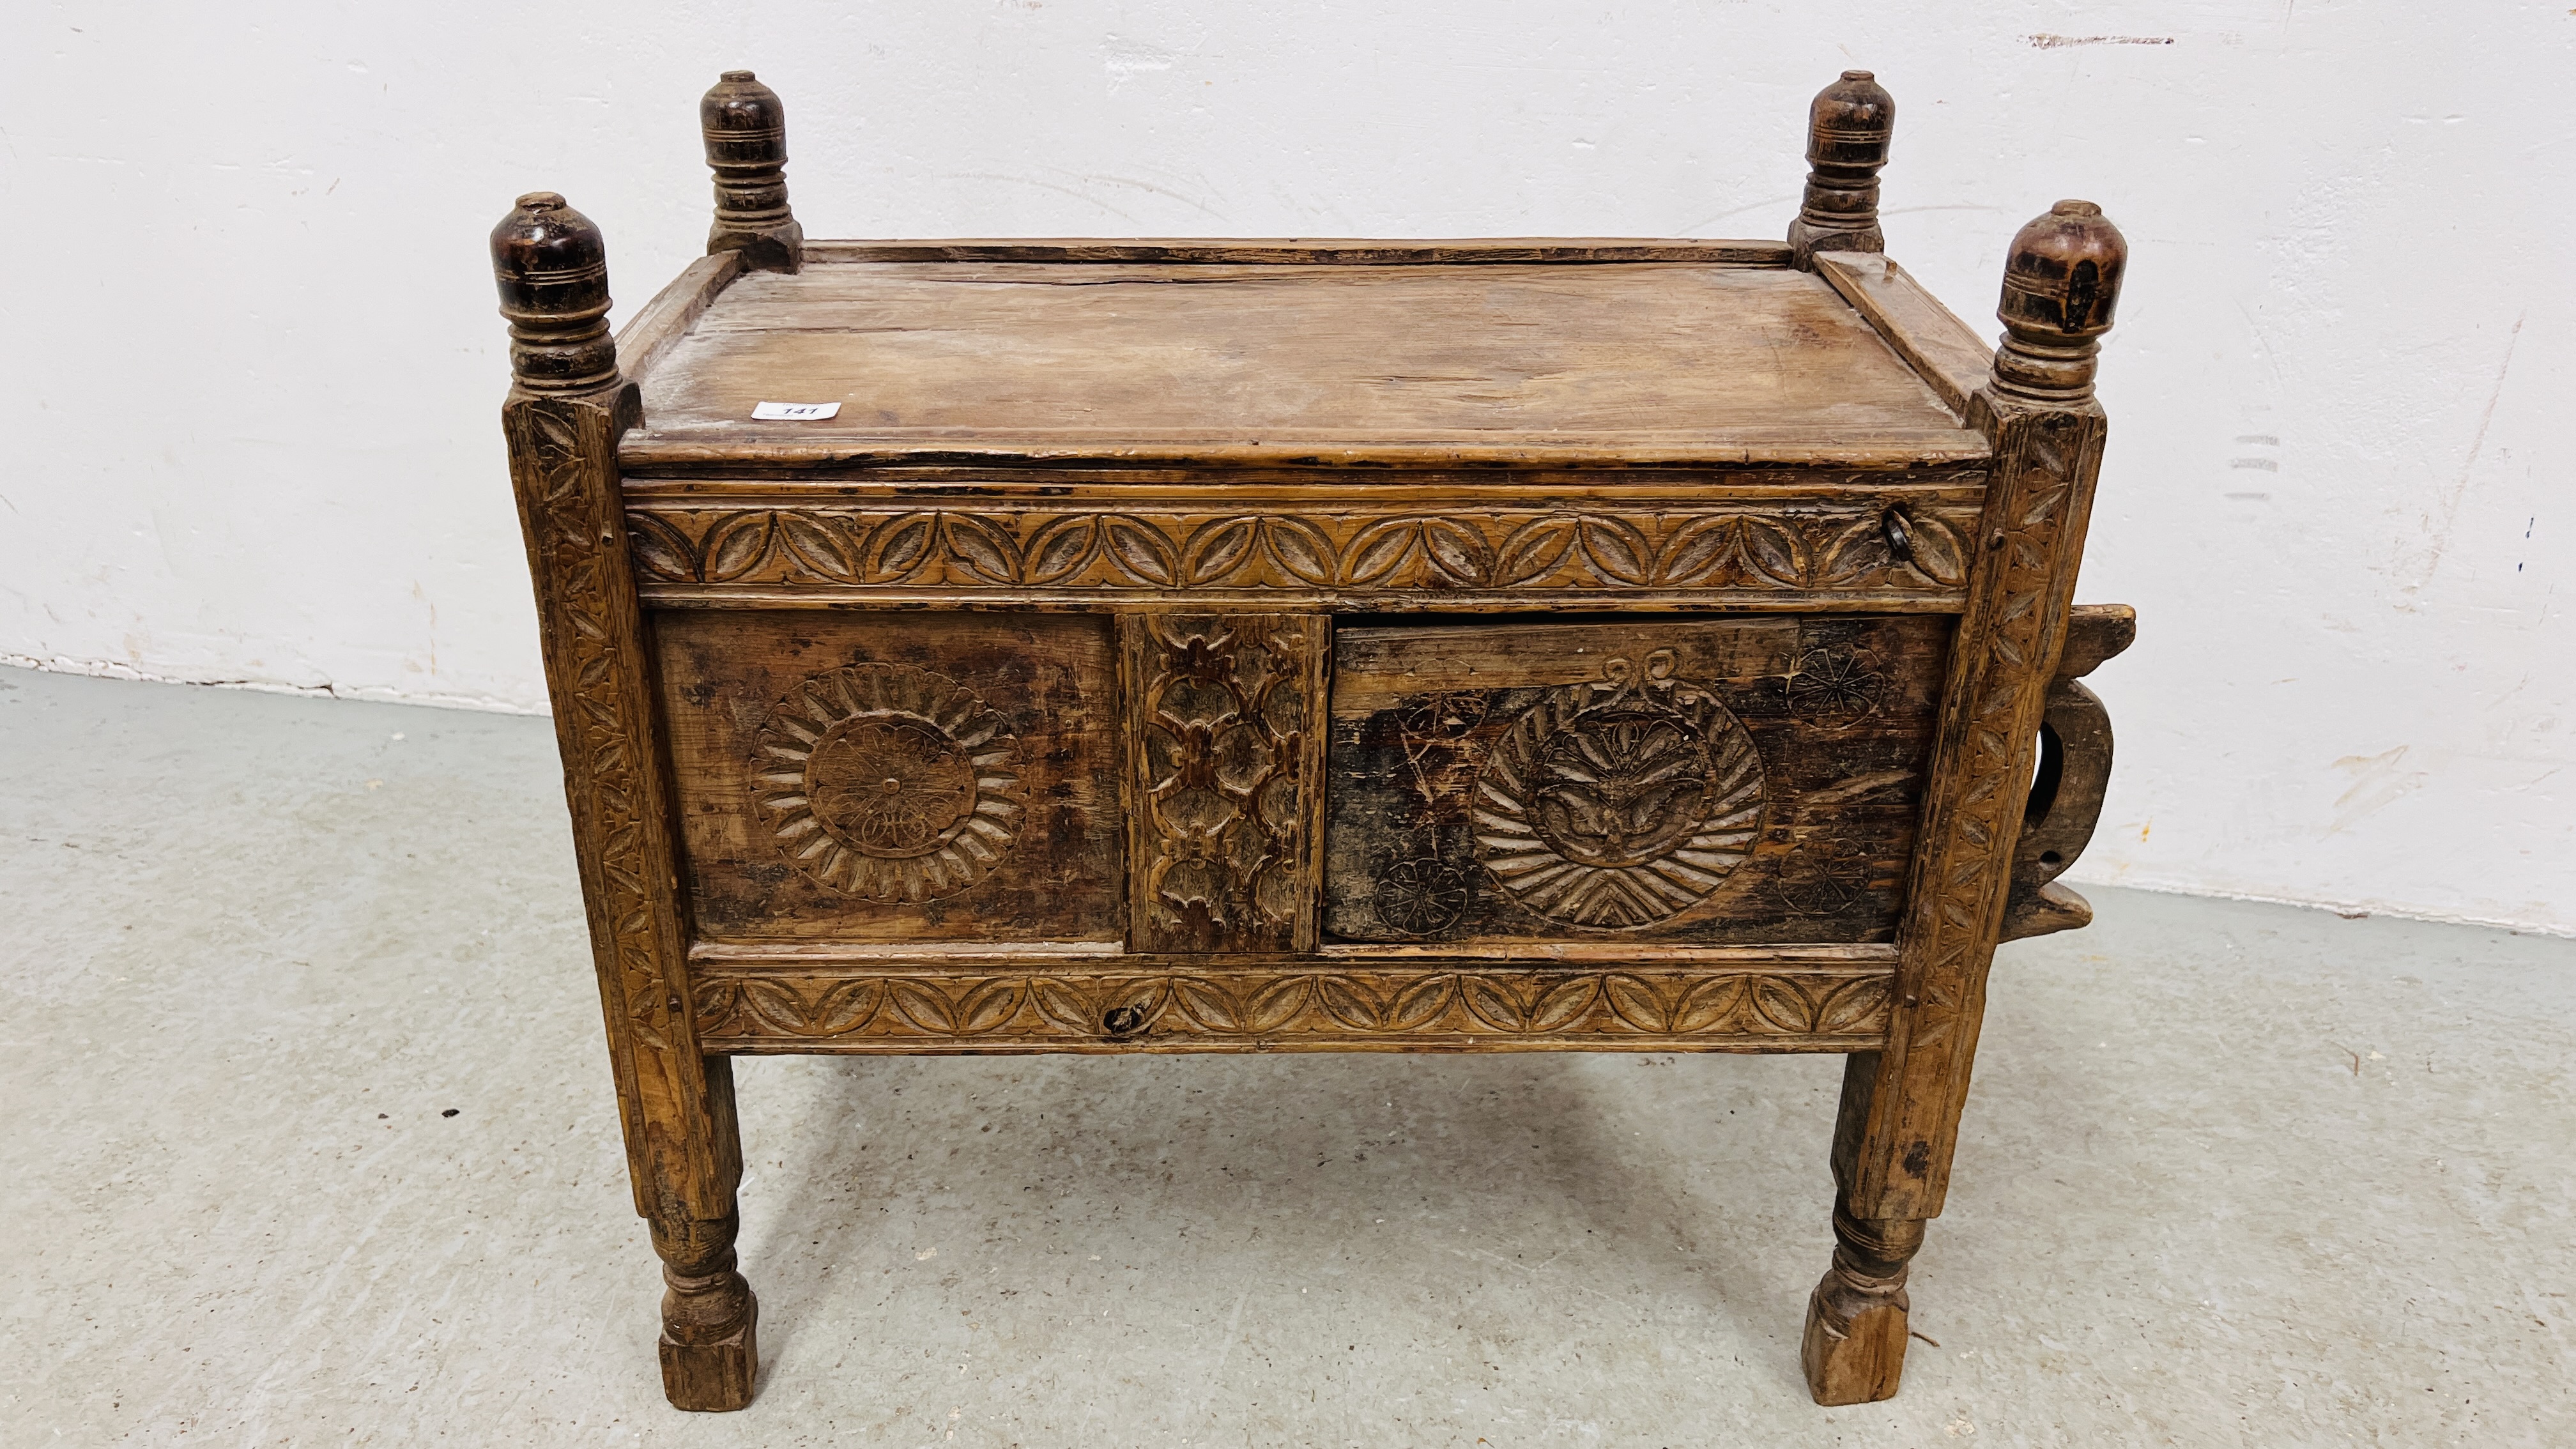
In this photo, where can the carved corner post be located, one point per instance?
(1848, 127)
(566, 409)
(746, 130)
(1900, 1109)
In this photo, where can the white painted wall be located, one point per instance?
(251, 369)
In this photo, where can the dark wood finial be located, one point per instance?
(746, 130)
(552, 266)
(1848, 128)
(2059, 289)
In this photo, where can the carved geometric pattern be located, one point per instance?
(1622, 803)
(1220, 707)
(1781, 1009)
(888, 783)
(1836, 545)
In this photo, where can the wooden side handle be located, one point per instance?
(2074, 770)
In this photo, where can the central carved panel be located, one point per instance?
(1717, 780)
(1620, 803)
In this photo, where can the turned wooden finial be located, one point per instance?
(1848, 128)
(2059, 289)
(552, 267)
(746, 130)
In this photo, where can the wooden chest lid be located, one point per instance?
(1396, 354)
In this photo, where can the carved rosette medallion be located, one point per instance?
(889, 783)
(1821, 878)
(1622, 803)
(1835, 685)
(1419, 897)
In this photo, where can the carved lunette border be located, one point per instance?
(1789, 552)
(1316, 1005)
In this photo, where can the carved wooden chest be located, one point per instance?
(1279, 646)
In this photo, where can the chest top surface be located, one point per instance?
(1696, 359)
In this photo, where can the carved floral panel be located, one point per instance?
(1675, 779)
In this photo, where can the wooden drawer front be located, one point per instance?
(895, 777)
(1669, 779)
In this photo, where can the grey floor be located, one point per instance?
(2232, 1174)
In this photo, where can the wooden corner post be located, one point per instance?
(1848, 128)
(566, 409)
(1900, 1108)
(746, 131)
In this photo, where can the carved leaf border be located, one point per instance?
(1148, 1007)
(1737, 548)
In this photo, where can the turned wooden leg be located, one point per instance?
(1854, 1348)
(1854, 1351)
(710, 1350)
(710, 1320)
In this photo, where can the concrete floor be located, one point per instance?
(2232, 1174)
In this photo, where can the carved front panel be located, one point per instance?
(1752, 780)
(1223, 710)
(902, 777)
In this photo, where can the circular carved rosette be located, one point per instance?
(1821, 880)
(1419, 897)
(1834, 685)
(889, 783)
(1619, 804)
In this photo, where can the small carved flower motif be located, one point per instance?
(1419, 897)
(1821, 880)
(1834, 684)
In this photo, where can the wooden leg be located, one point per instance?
(710, 1347)
(1854, 1352)
(1854, 1347)
(710, 1320)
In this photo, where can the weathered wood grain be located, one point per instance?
(1930, 337)
(651, 333)
(1113, 359)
